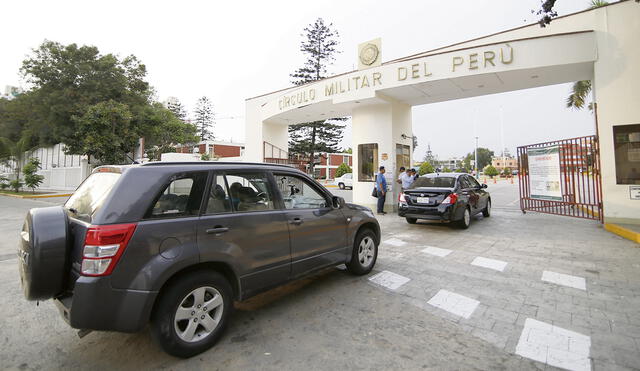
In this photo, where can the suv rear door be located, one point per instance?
(241, 225)
(318, 231)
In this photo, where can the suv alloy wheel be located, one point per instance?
(365, 253)
(192, 313)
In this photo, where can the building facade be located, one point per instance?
(329, 163)
(505, 162)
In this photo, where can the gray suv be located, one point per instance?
(174, 244)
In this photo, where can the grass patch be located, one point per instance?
(22, 193)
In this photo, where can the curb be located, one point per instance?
(37, 196)
(623, 232)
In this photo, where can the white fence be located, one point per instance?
(60, 171)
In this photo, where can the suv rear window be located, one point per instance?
(436, 182)
(88, 198)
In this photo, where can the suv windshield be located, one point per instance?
(88, 198)
(436, 182)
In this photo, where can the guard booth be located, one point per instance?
(562, 177)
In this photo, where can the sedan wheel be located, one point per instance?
(466, 219)
(487, 210)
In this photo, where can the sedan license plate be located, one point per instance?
(422, 200)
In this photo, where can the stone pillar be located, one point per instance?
(381, 124)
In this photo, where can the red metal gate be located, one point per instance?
(561, 177)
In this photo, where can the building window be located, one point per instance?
(345, 160)
(367, 161)
(626, 140)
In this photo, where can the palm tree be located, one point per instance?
(15, 150)
(581, 89)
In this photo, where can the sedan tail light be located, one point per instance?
(103, 246)
(401, 198)
(451, 199)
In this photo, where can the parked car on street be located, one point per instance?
(345, 181)
(453, 197)
(174, 244)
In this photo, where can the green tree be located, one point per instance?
(484, 158)
(342, 169)
(69, 81)
(174, 105)
(491, 171)
(106, 132)
(15, 150)
(319, 47)
(31, 179)
(163, 129)
(204, 118)
(506, 172)
(425, 168)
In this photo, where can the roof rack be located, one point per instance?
(210, 163)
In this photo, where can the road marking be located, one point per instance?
(565, 280)
(454, 303)
(395, 242)
(389, 280)
(498, 265)
(554, 346)
(437, 251)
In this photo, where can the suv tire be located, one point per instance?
(364, 254)
(199, 327)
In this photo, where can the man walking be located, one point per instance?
(381, 186)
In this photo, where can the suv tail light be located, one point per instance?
(103, 246)
(401, 198)
(451, 199)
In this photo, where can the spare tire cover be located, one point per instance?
(43, 252)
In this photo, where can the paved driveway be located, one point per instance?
(425, 306)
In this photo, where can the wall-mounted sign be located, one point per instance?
(385, 156)
(544, 173)
(634, 192)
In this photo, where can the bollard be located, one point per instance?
(495, 181)
(511, 180)
(485, 180)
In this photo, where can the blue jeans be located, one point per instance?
(381, 198)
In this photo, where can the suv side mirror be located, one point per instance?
(338, 202)
(483, 186)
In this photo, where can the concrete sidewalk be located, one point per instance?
(520, 271)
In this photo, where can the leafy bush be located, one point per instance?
(491, 171)
(425, 168)
(4, 182)
(31, 179)
(342, 169)
(205, 157)
(506, 172)
(16, 185)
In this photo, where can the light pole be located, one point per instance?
(476, 160)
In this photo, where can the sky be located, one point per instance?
(233, 50)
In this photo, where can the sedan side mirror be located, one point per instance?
(483, 186)
(338, 202)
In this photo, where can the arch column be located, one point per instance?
(383, 125)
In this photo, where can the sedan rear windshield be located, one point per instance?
(90, 196)
(434, 182)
